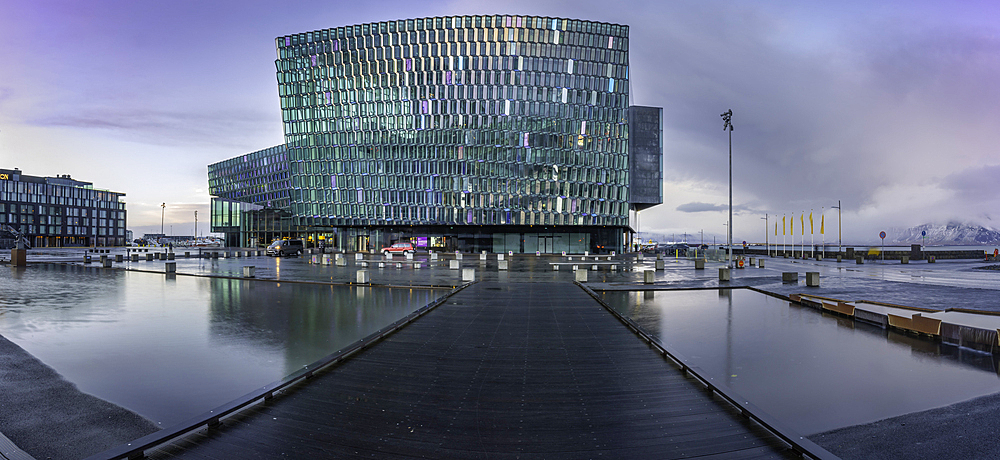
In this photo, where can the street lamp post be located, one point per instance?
(163, 209)
(840, 230)
(728, 126)
(767, 244)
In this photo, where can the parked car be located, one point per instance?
(284, 247)
(399, 248)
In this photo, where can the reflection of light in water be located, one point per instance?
(361, 294)
(277, 267)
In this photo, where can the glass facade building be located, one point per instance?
(59, 211)
(491, 133)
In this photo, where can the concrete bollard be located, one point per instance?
(931, 259)
(510, 253)
(170, 267)
(725, 274)
(638, 257)
(840, 258)
(586, 253)
(538, 253)
(564, 253)
(904, 260)
(468, 274)
(502, 264)
(499, 256)
(454, 264)
(458, 255)
(861, 260)
(581, 275)
(359, 256)
(648, 276)
(593, 268)
(363, 277)
(482, 256)
(105, 262)
(699, 264)
(760, 263)
(555, 267)
(660, 264)
(341, 262)
(149, 257)
(249, 271)
(752, 261)
(187, 254)
(326, 259)
(812, 279)
(388, 256)
(409, 256)
(789, 277)
(86, 258)
(171, 256)
(119, 257)
(819, 256)
(104, 258)
(215, 255)
(434, 256)
(135, 257)
(314, 259)
(612, 253)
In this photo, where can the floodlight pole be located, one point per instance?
(728, 126)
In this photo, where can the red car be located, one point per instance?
(399, 248)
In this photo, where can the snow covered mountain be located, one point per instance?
(950, 233)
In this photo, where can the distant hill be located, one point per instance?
(950, 233)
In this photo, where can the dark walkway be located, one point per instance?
(500, 371)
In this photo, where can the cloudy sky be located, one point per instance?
(891, 107)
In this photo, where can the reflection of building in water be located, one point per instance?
(307, 321)
(497, 133)
(60, 211)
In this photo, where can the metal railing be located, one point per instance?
(136, 449)
(798, 443)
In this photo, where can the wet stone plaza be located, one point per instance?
(167, 347)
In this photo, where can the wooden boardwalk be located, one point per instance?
(500, 371)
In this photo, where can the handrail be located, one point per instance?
(800, 444)
(136, 448)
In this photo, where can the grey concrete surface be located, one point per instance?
(49, 418)
(966, 430)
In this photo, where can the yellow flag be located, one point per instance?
(821, 221)
(783, 226)
(802, 221)
(791, 225)
(812, 230)
(775, 228)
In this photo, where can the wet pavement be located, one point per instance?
(207, 336)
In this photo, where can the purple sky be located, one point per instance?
(893, 109)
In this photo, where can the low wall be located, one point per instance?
(849, 253)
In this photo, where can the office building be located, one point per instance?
(60, 211)
(497, 133)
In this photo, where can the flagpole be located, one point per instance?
(812, 237)
(822, 229)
